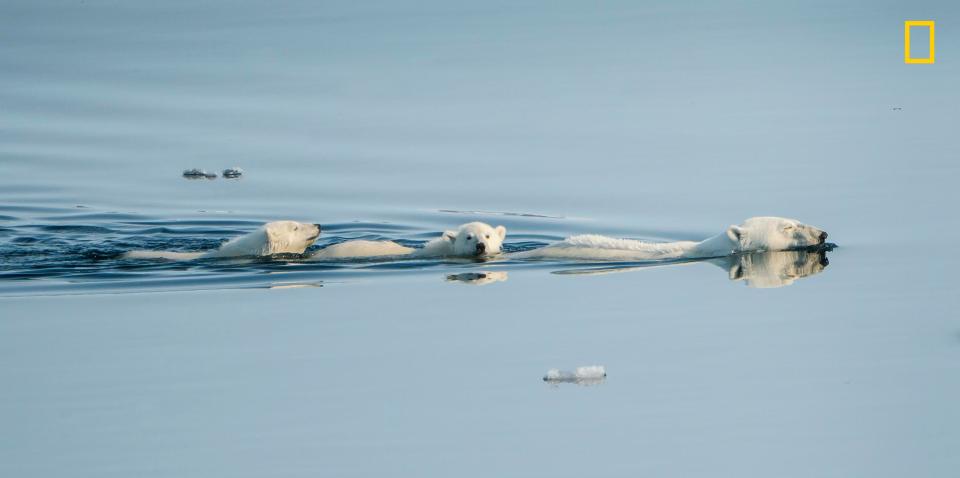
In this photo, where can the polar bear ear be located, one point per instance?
(502, 232)
(272, 236)
(449, 236)
(735, 233)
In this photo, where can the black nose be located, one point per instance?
(318, 228)
(823, 237)
(481, 248)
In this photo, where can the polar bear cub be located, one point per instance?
(276, 237)
(756, 234)
(475, 239)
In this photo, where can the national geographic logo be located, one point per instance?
(906, 40)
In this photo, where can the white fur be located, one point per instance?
(361, 248)
(165, 255)
(756, 234)
(272, 238)
(460, 243)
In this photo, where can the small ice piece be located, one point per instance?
(232, 173)
(589, 375)
(198, 174)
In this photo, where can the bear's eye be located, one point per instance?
(488, 236)
(469, 238)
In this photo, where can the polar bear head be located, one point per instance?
(774, 234)
(476, 239)
(290, 236)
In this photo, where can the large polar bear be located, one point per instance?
(756, 234)
(276, 237)
(475, 239)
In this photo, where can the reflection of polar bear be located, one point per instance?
(478, 278)
(773, 269)
(474, 239)
(761, 270)
(272, 238)
(757, 269)
(755, 235)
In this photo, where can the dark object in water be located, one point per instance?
(198, 174)
(232, 173)
(467, 276)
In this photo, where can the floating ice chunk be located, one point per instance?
(198, 174)
(232, 173)
(589, 375)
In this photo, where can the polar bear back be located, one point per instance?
(360, 249)
(602, 248)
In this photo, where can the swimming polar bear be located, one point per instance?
(276, 237)
(475, 239)
(756, 234)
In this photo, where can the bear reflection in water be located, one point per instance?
(478, 278)
(761, 270)
(773, 269)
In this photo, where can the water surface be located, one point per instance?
(398, 121)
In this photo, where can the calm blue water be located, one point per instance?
(397, 121)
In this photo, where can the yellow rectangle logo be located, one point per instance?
(906, 40)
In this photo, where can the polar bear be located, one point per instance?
(276, 237)
(756, 234)
(475, 239)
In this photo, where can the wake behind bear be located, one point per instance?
(278, 237)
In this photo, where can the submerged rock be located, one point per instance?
(198, 174)
(232, 173)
